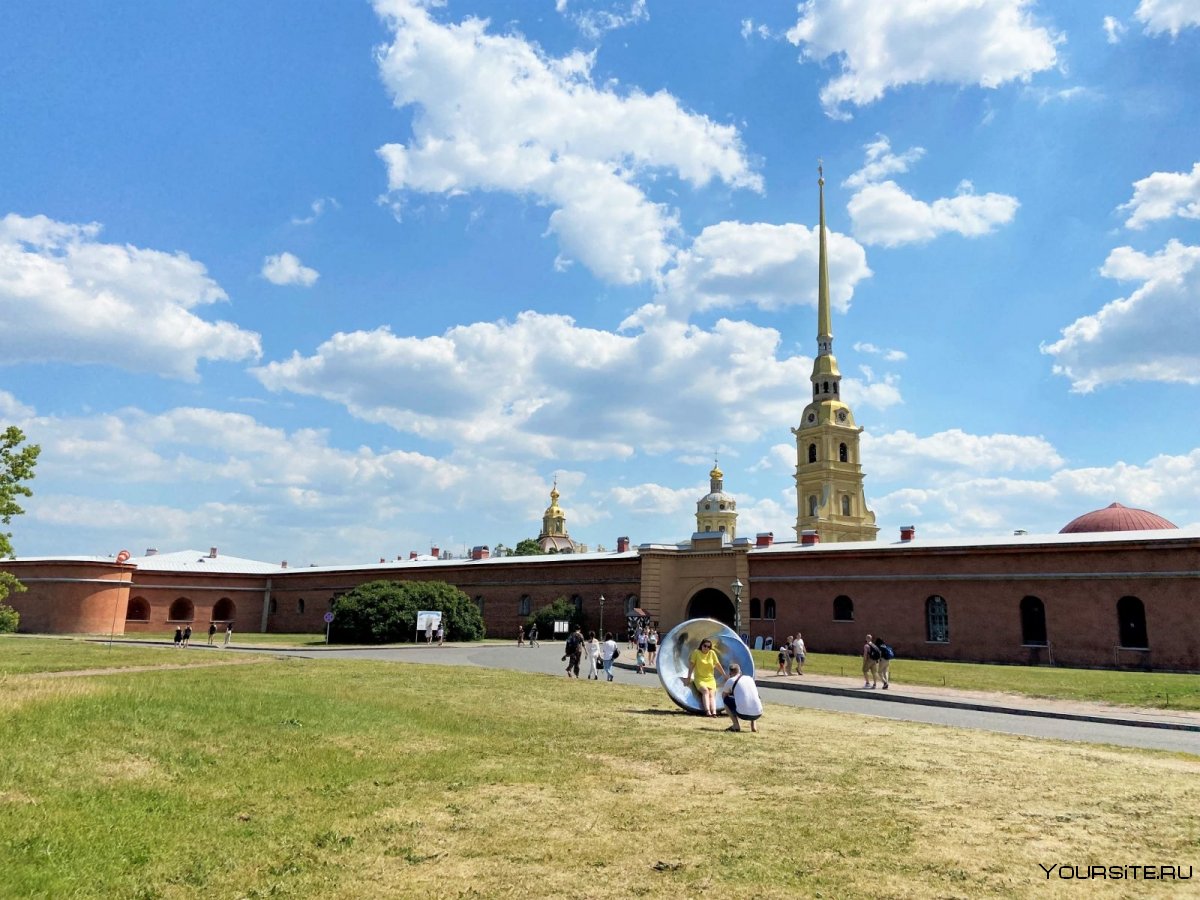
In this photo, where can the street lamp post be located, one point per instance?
(737, 605)
(601, 617)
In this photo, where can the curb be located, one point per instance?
(972, 706)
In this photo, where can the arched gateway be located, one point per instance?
(711, 603)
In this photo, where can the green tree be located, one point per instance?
(558, 611)
(385, 612)
(16, 467)
(528, 547)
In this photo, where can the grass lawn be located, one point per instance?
(1146, 689)
(20, 655)
(334, 778)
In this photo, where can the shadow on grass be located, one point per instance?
(657, 712)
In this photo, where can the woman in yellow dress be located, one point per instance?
(702, 665)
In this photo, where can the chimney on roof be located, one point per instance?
(908, 532)
(623, 544)
(381, 559)
(150, 551)
(212, 552)
(764, 539)
(808, 537)
(412, 554)
(480, 552)
(283, 565)
(435, 553)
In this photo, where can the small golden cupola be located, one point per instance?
(554, 537)
(716, 511)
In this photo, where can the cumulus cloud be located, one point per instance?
(749, 30)
(595, 22)
(902, 454)
(884, 213)
(66, 296)
(494, 112)
(1114, 29)
(1147, 336)
(887, 354)
(1171, 16)
(769, 266)
(1163, 195)
(285, 268)
(517, 387)
(884, 46)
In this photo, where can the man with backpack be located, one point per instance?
(574, 653)
(870, 658)
(886, 655)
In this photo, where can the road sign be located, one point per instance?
(328, 617)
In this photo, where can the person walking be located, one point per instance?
(178, 636)
(886, 654)
(428, 633)
(573, 653)
(870, 663)
(652, 647)
(228, 632)
(212, 631)
(440, 635)
(741, 699)
(592, 649)
(703, 665)
(520, 636)
(608, 652)
(799, 653)
(533, 641)
(187, 635)
(785, 657)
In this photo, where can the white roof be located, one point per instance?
(199, 561)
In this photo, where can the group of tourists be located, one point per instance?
(877, 656)
(598, 656)
(434, 634)
(792, 654)
(644, 640)
(183, 634)
(527, 637)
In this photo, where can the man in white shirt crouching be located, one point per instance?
(741, 699)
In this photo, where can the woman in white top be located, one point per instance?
(591, 649)
(608, 650)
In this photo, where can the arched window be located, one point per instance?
(577, 602)
(525, 606)
(843, 609)
(272, 607)
(835, 386)
(721, 528)
(300, 605)
(1033, 622)
(631, 603)
(224, 610)
(812, 505)
(138, 610)
(845, 504)
(479, 603)
(755, 608)
(181, 611)
(825, 386)
(769, 608)
(843, 453)
(812, 453)
(937, 620)
(1131, 620)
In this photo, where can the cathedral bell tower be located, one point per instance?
(829, 479)
(716, 511)
(554, 537)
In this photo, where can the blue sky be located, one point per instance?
(333, 282)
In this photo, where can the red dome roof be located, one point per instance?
(1116, 517)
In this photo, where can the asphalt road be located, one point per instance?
(546, 659)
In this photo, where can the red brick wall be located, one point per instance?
(66, 597)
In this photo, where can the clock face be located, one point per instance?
(841, 416)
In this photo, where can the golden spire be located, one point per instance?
(824, 316)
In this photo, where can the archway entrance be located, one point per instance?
(711, 603)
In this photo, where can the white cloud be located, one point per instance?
(519, 387)
(883, 46)
(887, 354)
(903, 455)
(1147, 336)
(317, 208)
(12, 410)
(66, 296)
(496, 113)
(595, 23)
(884, 213)
(768, 266)
(1168, 15)
(1114, 29)
(749, 30)
(1163, 195)
(285, 268)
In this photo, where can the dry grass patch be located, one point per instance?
(359, 779)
